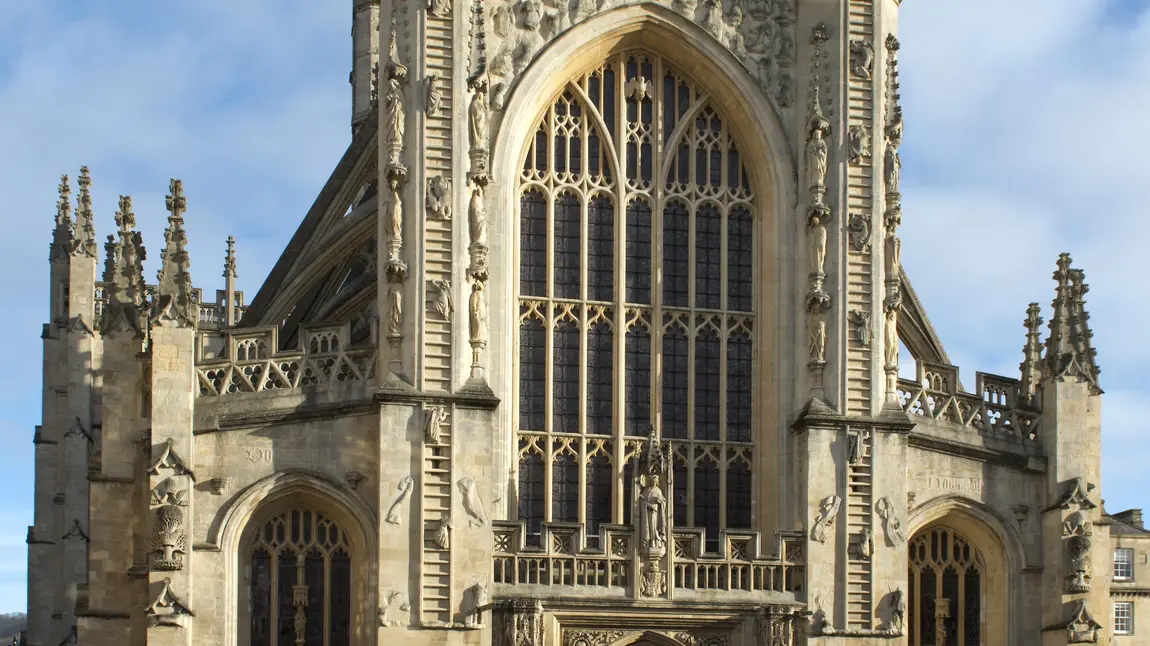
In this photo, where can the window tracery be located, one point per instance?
(635, 301)
(946, 578)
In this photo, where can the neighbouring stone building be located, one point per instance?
(592, 338)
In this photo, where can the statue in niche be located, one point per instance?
(477, 115)
(443, 304)
(828, 509)
(713, 17)
(395, 310)
(439, 197)
(817, 348)
(817, 239)
(860, 231)
(890, 336)
(856, 445)
(404, 487)
(433, 424)
(394, 119)
(817, 151)
(472, 503)
(862, 59)
(864, 548)
(892, 165)
(861, 321)
(169, 542)
(893, 251)
(434, 98)
(439, 7)
(396, 219)
(477, 306)
(891, 525)
(442, 536)
(653, 504)
(859, 141)
(477, 217)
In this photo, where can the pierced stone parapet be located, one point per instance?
(995, 407)
(253, 365)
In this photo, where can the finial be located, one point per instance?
(110, 259)
(62, 233)
(174, 298)
(1069, 351)
(125, 219)
(85, 238)
(1031, 353)
(230, 259)
(395, 69)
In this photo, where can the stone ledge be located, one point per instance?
(1024, 463)
(237, 421)
(96, 613)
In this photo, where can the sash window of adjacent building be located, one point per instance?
(1123, 564)
(636, 307)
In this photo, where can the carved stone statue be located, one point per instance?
(893, 258)
(474, 602)
(897, 610)
(890, 337)
(434, 96)
(443, 304)
(477, 307)
(653, 505)
(892, 165)
(169, 541)
(817, 345)
(828, 509)
(439, 197)
(817, 239)
(389, 614)
(472, 503)
(713, 17)
(396, 220)
(856, 445)
(394, 120)
(864, 548)
(442, 536)
(433, 424)
(395, 310)
(477, 217)
(891, 525)
(862, 59)
(859, 141)
(860, 231)
(860, 319)
(584, 9)
(439, 7)
(404, 487)
(477, 114)
(817, 154)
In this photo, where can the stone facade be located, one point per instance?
(351, 454)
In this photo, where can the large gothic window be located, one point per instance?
(636, 307)
(299, 584)
(947, 578)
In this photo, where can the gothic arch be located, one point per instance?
(274, 494)
(647, 637)
(753, 122)
(999, 544)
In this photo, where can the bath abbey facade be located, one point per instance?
(592, 338)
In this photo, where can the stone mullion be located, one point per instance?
(548, 402)
(619, 339)
(658, 201)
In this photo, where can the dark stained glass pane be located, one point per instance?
(532, 378)
(533, 244)
(707, 362)
(314, 577)
(531, 495)
(739, 387)
(575, 143)
(734, 174)
(911, 606)
(565, 489)
(950, 593)
(676, 254)
(340, 599)
(285, 628)
(599, 477)
(565, 374)
(638, 371)
(708, 257)
(628, 490)
(972, 622)
(541, 150)
(926, 606)
(259, 598)
(738, 495)
(601, 249)
(682, 483)
(608, 110)
(669, 118)
(638, 252)
(600, 379)
(567, 228)
(674, 384)
(740, 243)
(707, 502)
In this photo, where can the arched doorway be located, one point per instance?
(298, 582)
(946, 574)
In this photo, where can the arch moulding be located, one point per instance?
(275, 493)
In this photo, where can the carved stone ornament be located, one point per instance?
(170, 460)
(168, 609)
(1078, 564)
(443, 303)
(828, 509)
(433, 419)
(169, 492)
(402, 490)
(896, 610)
(860, 323)
(439, 7)
(395, 605)
(442, 534)
(169, 542)
(817, 220)
(864, 545)
(653, 580)
(862, 59)
(856, 445)
(475, 601)
(219, 486)
(354, 479)
(395, 122)
(858, 139)
(891, 525)
(890, 338)
(433, 99)
(477, 311)
(1077, 495)
(439, 197)
(1082, 628)
(859, 226)
(521, 623)
(472, 503)
(395, 311)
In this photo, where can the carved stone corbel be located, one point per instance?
(1082, 628)
(169, 459)
(168, 609)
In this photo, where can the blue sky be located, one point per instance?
(1025, 136)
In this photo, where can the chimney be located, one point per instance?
(1132, 517)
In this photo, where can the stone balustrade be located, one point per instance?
(996, 407)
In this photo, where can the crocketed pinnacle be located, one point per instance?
(84, 242)
(230, 259)
(1031, 353)
(1069, 350)
(62, 233)
(124, 272)
(174, 298)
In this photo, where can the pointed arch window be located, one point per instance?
(636, 295)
